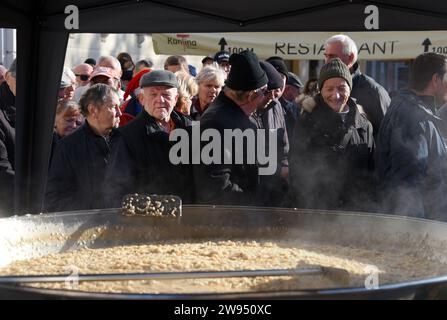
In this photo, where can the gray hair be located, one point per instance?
(109, 62)
(348, 44)
(96, 95)
(211, 73)
(65, 105)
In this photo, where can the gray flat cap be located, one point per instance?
(293, 80)
(159, 78)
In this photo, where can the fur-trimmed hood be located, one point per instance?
(308, 104)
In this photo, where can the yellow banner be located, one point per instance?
(383, 45)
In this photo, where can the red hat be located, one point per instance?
(135, 82)
(104, 71)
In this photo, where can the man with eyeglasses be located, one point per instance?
(244, 92)
(270, 116)
(291, 113)
(82, 73)
(107, 71)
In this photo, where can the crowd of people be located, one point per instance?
(341, 142)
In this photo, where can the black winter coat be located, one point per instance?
(331, 160)
(371, 96)
(77, 171)
(411, 158)
(291, 115)
(232, 184)
(7, 146)
(273, 188)
(140, 162)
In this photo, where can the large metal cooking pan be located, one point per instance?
(32, 236)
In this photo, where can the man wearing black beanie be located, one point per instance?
(290, 110)
(279, 64)
(270, 116)
(244, 92)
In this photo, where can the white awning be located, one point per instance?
(386, 45)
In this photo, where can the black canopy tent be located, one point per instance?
(42, 40)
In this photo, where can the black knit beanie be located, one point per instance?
(279, 64)
(275, 80)
(245, 74)
(335, 68)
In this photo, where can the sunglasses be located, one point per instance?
(84, 77)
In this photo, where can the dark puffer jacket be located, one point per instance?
(411, 158)
(331, 159)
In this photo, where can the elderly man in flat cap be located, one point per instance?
(233, 183)
(140, 161)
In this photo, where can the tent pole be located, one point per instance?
(40, 59)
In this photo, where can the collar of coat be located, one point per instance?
(355, 71)
(270, 105)
(356, 114)
(195, 106)
(152, 126)
(89, 130)
(425, 103)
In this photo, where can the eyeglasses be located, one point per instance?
(84, 77)
(264, 91)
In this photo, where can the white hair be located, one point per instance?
(347, 43)
(211, 73)
(109, 62)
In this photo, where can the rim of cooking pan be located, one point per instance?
(409, 287)
(237, 208)
(388, 290)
